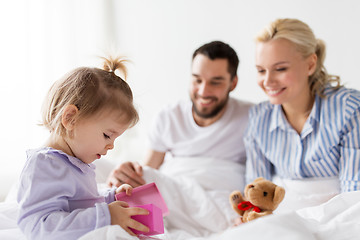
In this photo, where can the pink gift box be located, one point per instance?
(145, 194)
(154, 220)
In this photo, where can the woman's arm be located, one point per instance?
(349, 164)
(257, 164)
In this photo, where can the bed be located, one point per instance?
(311, 210)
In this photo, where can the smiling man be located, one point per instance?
(197, 155)
(211, 125)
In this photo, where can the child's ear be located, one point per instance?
(68, 117)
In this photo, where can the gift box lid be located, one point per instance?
(145, 194)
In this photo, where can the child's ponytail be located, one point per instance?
(112, 64)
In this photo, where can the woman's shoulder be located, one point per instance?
(261, 109)
(344, 97)
(345, 91)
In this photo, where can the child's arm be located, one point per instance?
(47, 198)
(45, 216)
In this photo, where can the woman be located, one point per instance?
(309, 128)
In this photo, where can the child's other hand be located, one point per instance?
(121, 215)
(125, 188)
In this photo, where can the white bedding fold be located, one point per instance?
(210, 173)
(337, 219)
(196, 191)
(8, 217)
(307, 192)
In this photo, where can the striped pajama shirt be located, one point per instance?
(328, 146)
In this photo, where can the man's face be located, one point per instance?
(210, 87)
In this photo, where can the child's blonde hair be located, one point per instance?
(91, 90)
(301, 35)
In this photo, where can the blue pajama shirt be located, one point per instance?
(328, 146)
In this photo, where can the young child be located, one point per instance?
(85, 112)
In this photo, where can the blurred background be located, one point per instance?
(41, 40)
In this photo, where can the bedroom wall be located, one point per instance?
(44, 39)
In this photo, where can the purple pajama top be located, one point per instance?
(58, 196)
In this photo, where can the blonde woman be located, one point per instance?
(309, 128)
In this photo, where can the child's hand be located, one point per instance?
(125, 188)
(121, 215)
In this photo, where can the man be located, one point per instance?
(197, 138)
(214, 76)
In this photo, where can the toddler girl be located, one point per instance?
(85, 112)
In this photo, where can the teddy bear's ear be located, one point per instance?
(278, 195)
(258, 179)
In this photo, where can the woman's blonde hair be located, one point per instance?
(91, 90)
(300, 34)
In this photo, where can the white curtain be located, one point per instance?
(41, 40)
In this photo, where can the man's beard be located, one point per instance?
(214, 112)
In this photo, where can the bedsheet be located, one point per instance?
(320, 214)
(337, 219)
(196, 191)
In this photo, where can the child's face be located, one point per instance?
(93, 137)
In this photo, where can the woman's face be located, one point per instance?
(283, 72)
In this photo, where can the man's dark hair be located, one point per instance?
(218, 49)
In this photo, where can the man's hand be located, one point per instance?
(128, 172)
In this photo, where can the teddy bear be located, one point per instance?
(262, 197)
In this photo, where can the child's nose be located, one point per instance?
(110, 146)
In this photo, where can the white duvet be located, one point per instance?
(196, 192)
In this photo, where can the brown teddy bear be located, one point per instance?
(261, 198)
